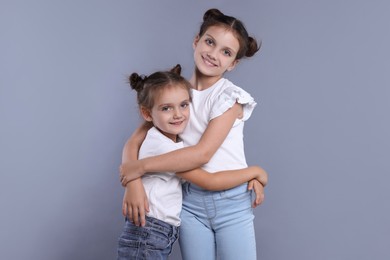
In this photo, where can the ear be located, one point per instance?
(146, 114)
(233, 65)
(196, 40)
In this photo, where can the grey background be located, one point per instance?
(321, 129)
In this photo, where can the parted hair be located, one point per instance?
(148, 87)
(248, 44)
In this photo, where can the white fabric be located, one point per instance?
(209, 104)
(163, 189)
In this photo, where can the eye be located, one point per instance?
(209, 41)
(184, 104)
(227, 53)
(166, 108)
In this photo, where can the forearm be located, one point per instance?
(195, 156)
(190, 157)
(220, 180)
(180, 160)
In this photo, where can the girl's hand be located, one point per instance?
(135, 202)
(130, 171)
(258, 188)
(261, 175)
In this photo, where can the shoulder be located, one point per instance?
(229, 91)
(230, 86)
(229, 94)
(226, 86)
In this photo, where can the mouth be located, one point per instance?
(208, 62)
(178, 123)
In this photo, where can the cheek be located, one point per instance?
(187, 113)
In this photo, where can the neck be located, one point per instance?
(200, 81)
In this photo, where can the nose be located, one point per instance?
(211, 54)
(177, 113)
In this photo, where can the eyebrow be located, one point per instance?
(172, 104)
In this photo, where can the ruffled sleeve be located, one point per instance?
(228, 97)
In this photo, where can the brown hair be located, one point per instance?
(214, 17)
(148, 87)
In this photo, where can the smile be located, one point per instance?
(176, 123)
(208, 62)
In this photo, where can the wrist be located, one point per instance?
(133, 183)
(141, 167)
(262, 176)
(263, 181)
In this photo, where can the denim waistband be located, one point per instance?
(192, 188)
(161, 225)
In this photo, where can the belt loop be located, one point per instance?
(187, 187)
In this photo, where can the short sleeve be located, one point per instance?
(229, 97)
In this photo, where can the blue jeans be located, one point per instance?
(153, 241)
(217, 225)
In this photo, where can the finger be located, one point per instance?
(147, 205)
(255, 203)
(124, 209)
(261, 199)
(142, 217)
(250, 185)
(129, 214)
(258, 191)
(258, 202)
(124, 181)
(258, 197)
(135, 216)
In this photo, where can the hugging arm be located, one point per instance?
(182, 160)
(187, 158)
(224, 179)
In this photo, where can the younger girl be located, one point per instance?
(164, 99)
(214, 224)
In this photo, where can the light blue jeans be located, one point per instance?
(153, 241)
(217, 225)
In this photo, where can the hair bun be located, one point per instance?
(136, 81)
(253, 47)
(176, 69)
(212, 13)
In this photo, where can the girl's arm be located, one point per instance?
(190, 157)
(224, 179)
(187, 158)
(135, 201)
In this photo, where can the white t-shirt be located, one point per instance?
(164, 188)
(209, 104)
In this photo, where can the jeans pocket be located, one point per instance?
(129, 241)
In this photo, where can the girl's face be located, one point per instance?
(171, 111)
(215, 52)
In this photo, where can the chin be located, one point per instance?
(206, 71)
